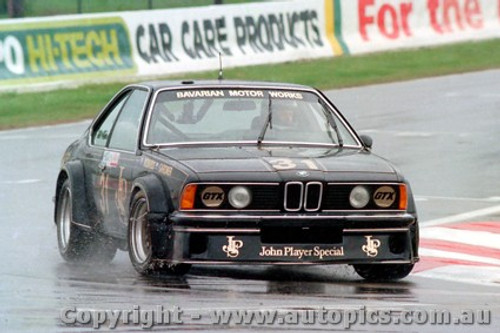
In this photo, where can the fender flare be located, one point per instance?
(74, 171)
(160, 205)
(158, 197)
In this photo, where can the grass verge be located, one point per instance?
(43, 108)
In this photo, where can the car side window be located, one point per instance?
(102, 131)
(126, 129)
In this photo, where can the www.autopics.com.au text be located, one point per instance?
(346, 318)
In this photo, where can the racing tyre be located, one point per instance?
(381, 272)
(141, 245)
(75, 244)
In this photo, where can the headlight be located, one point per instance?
(359, 197)
(239, 197)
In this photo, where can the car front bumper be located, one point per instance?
(289, 239)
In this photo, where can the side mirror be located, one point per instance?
(367, 141)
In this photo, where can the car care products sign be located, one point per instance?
(181, 39)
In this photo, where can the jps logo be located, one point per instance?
(233, 247)
(384, 196)
(212, 196)
(371, 246)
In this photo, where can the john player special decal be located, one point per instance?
(299, 253)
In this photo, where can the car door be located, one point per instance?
(94, 154)
(119, 161)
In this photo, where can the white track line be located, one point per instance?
(424, 252)
(462, 217)
(463, 273)
(469, 237)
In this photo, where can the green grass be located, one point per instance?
(30, 109)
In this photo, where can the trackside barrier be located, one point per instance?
(376, 25)
(81, 48)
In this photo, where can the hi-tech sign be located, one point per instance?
(63, 47)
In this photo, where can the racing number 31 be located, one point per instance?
(288, 164)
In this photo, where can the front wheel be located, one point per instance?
(383, 272)
(75, 244)
(140, 241)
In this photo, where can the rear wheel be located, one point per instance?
(140, 242)
(381, 272)
(75, 244)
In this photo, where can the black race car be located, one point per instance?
(226, 172)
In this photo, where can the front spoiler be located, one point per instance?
(195, 245)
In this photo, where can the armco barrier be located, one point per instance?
(56, 50)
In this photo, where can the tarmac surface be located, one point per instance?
(443, 133)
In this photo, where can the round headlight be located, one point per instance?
(239, 197)
(359, 197)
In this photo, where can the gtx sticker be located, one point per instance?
(212, 196)
(371, 246)
(384, 196)
(232, 249)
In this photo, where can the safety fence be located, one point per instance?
(52, 51)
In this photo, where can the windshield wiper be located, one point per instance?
(269, 123)
(332, 122)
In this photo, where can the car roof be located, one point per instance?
(156, 85)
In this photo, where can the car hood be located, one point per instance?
(355, 164)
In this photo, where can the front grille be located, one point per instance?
(294, 194)
(264, 197)
(306, 197)
(337, 197)
(299, 197)
(313, 196)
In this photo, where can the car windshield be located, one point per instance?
(244, 116)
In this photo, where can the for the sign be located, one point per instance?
(390, 20)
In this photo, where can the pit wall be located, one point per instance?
(62, 50)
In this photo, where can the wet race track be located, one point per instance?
(443, 133)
